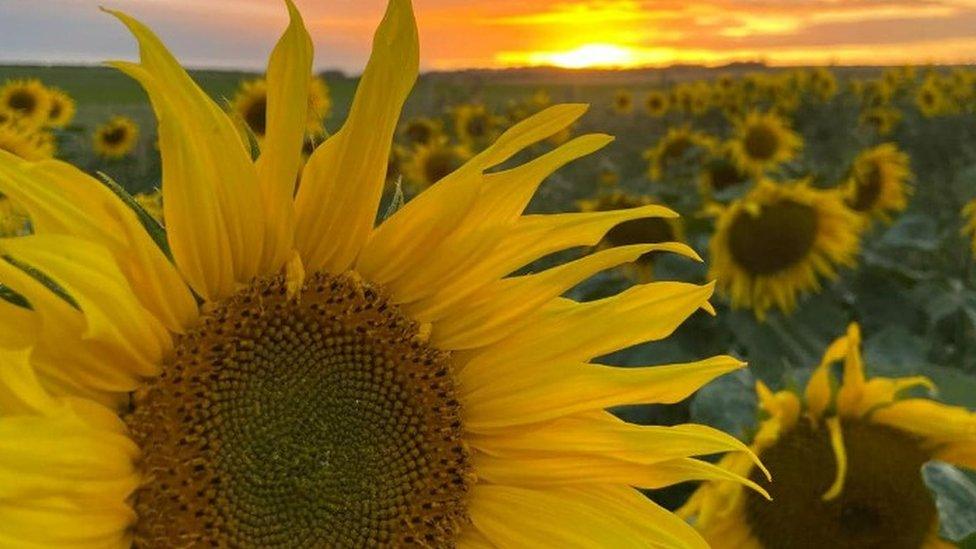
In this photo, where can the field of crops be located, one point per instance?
(878, 165)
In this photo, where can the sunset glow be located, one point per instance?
(507, 33)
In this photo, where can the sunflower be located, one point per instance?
(930, 99)
(475, 125)
(882, 120)
(720, 172)
(116, 138)
(62, 110)
(318, 381)
(250, 106)
(823, 83)
(656, 103)
(763, 141)
(877, 183)
(778, 241)
(152, 204)
(623, 102)
(649, 230)
(428, 164)
(27, 100)
(422, 131)
(679, 146)
(846, 462)
(24, 142)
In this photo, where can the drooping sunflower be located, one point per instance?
(296, 376)
(656, 103)
(649, 230)
(431, 163)
(474, 125)
(845, 461)
(778, 241)
(623, 102)
(27, 100)
(422, 131)
(763, 141)
(877, 185)
(116, 138)
(680, 146)
(25, 142)
(62, 110)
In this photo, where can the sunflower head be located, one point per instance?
(877, 184)
(62, 110)
(25, 142)
(27, 100)
(930, 99)
(778, 241)
(720, 172)
(763, 141)
(116, 138)
(882, 120)
(422, 131)
(274, 369)
(475, 125)
(250, 105)
(846, 459)
(823, 83)
(656, 103)
(623, 102)
(681, 146)
(430, 163)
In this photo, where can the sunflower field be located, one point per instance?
(491, 342)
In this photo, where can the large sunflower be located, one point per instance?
(62, 110)
(763, 141)
(877, 184)
(25, 142)
(116, 138)
(27, 100)
(316, 381)
(845, 462)
(250, 106)
(430, 163)
(778, 241)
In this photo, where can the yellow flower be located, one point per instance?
(824, 83)
(328, 382)
(27, 100)
(430, 163)
(474, 125)
(882, 120)
(845, 462)
(778, 242)
(677, 147)
(25, 142)
(623, 102)
(116, 138)
(930, 99)
(250, 105)
(720, 172)
(667, 233)
(763, 141)
(422, 131)
(877, 185)
(62, 110)
(656, 103)
(152, 203)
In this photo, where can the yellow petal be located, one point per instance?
(343, 180)
(519, 517)
(840, 459)
(565, 330)
(494, 398)
(929, 420)
(289, 70)
(820, 387)
(64, 200)
(211, 197)
(18, 326)
(489, 313)
(403, 241)
(852, 389)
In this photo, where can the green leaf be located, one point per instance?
(955, 498)
(728, 403)
(155, 230)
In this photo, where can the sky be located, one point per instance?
(503, 33)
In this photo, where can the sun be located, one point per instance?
(593, 55)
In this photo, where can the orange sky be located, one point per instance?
(493, 33)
